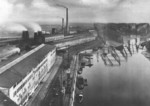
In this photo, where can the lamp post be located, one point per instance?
(66, 29)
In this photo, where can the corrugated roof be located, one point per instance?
(5, 101)
(17, 72)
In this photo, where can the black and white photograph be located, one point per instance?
(74, 52)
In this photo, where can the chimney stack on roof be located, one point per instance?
(39, 37)
(25, 36)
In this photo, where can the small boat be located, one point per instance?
(80, 83)
(90, 65)
(79, 97)
(80, 71)
(82, 64)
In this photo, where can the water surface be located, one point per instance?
(124, 85)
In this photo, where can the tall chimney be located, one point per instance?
(25, 35)
(35, 37)
(25, 43)
(39, 33)
(39, 38)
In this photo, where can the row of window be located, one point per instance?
(39, 75)
(42, 71)
(27, 80)
(33, 80)
(23, 84)
(54, 51)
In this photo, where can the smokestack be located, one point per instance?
(25, 43)
(35, 37)
(39, 38)
(39, 33)
(25, 36)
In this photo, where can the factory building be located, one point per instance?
(20, 78)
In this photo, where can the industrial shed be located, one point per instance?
(20, 78)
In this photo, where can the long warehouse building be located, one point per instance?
(20, 78)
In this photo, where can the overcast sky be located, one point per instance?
(79, 10)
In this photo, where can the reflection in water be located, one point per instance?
(111, 55)
(126, 85)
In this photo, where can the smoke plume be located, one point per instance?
(46, 11)
(13, 27)
(35, 27)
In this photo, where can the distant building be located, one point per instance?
(53, 31)
(20, 78)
